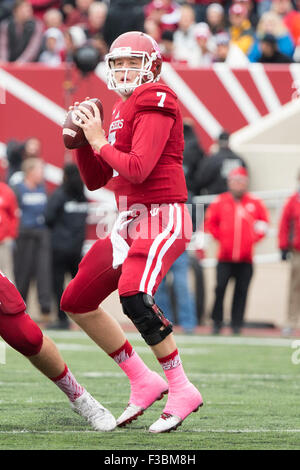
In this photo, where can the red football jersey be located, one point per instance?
(143, 162)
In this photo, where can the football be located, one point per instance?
(73, 135)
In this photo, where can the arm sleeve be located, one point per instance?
(150, 134)
(94, 171)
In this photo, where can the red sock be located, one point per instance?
(123, 353)
(68, 384)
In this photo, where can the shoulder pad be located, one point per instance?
(155, 97)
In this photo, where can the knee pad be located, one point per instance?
(21, 333)
(147, 317)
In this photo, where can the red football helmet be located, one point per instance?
(134, 44)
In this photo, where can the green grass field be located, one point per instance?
(250, 388)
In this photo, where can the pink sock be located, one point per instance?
(68, 384)
(145, 386)
(173, 370)
(183, 396)
(130, 362)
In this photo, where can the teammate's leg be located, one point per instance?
(24, 335)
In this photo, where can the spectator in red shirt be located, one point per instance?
(289, 243)
(237, 220)
(9, 222)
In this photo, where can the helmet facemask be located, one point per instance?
(145, 73)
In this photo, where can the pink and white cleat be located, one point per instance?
(143, 394)
(178, 407)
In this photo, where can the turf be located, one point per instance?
(250, 388)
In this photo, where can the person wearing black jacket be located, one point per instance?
(270, 52)
(123, 16)
(6, 8)
(20, 34)
(193, 154)
(212, 172)
(65, 215)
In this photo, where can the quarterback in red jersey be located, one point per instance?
(24, 335)
(142, 163)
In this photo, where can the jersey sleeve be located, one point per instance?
(157, 99)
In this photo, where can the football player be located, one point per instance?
(24, 335)
(142, 161)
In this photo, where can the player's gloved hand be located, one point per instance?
(284, 254)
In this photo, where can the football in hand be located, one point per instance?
(73, 135)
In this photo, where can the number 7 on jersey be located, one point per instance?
(162, 99)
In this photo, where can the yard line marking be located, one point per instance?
(19, 383)
(77, 347)
(199, 375)
(197, 430)
(95, 375)
(139, 349)
(208, 375)
(34, 402)
(233, 431)
(196, 339)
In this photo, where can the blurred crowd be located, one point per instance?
(192, 32)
